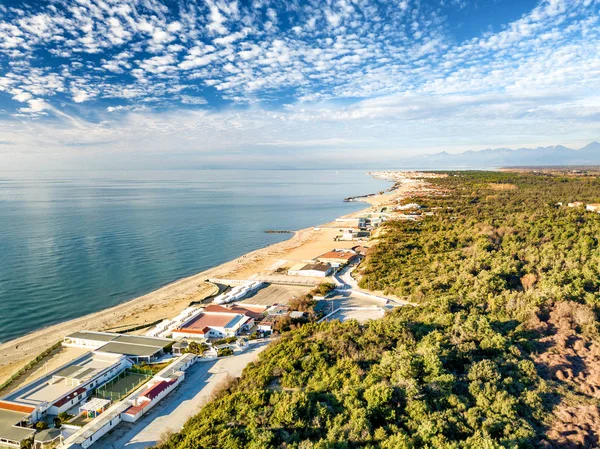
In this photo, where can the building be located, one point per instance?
(575, 204)
(207, 325)
(131, 408)
(594, 207)
(251, 310)
(360, 250)
(266, 325)
(359, 223)
(180, 347)
(46, 439)
(313, 269)
(337, 257)
(67, 386)
(136, 347)
(14, 419)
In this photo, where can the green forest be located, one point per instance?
(500, 345)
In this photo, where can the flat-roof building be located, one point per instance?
(314, 269)
(66, 386)
(137, 347)
(12, 421)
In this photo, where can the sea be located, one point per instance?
(73, 243)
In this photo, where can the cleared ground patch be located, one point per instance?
(360, 315)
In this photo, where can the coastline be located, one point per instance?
(170, 299)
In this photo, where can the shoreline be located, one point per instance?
(171, 298)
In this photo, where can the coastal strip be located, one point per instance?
(171, 299)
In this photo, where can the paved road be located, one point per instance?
(176, 408)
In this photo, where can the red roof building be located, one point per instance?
(157, 389)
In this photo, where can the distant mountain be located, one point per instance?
(503, 157)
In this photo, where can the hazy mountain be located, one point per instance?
(504, 157)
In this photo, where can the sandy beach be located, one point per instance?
(169, 300)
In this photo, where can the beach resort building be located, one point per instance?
(337, 257)
(137, 348)
(313, 269)
(216, 321)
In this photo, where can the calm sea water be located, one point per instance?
(75, 243)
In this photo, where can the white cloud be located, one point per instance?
(338, 66)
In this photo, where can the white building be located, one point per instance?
(68, 385)
(313, 269)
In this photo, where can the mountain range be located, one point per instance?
(504, 157)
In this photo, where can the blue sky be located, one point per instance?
(151, 84)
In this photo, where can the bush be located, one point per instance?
(224, 352)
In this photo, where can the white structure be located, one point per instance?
(136, 347)
(68, 385)
(214, 325)
(242, 288)
(157, 388)
(238, 292)
(311, 269)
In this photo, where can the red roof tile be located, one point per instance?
(157, 389)
(5, 405)
(68, 397)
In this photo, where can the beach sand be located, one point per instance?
(171, 299)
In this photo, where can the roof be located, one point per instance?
(122, 344)
(14, 407)
(95, 404)
(318, 266)
(68, 371)
(253, 311)
(157, 389)
(296, 314)
(95, 336)
(129, 349)
(8, 430)
(176, 366)
(268, 321)
(237, 319)
(146, 341)
(208, 319)
(75, 372)
(335, 254)
(47, 435)
(135, 409)
(68, 397)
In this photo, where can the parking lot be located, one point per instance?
(276, 294)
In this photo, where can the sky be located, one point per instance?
(106, 84)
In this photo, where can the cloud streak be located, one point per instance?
(315, 69)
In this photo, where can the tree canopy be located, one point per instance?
(459, 370)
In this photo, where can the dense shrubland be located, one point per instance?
(462, 369)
